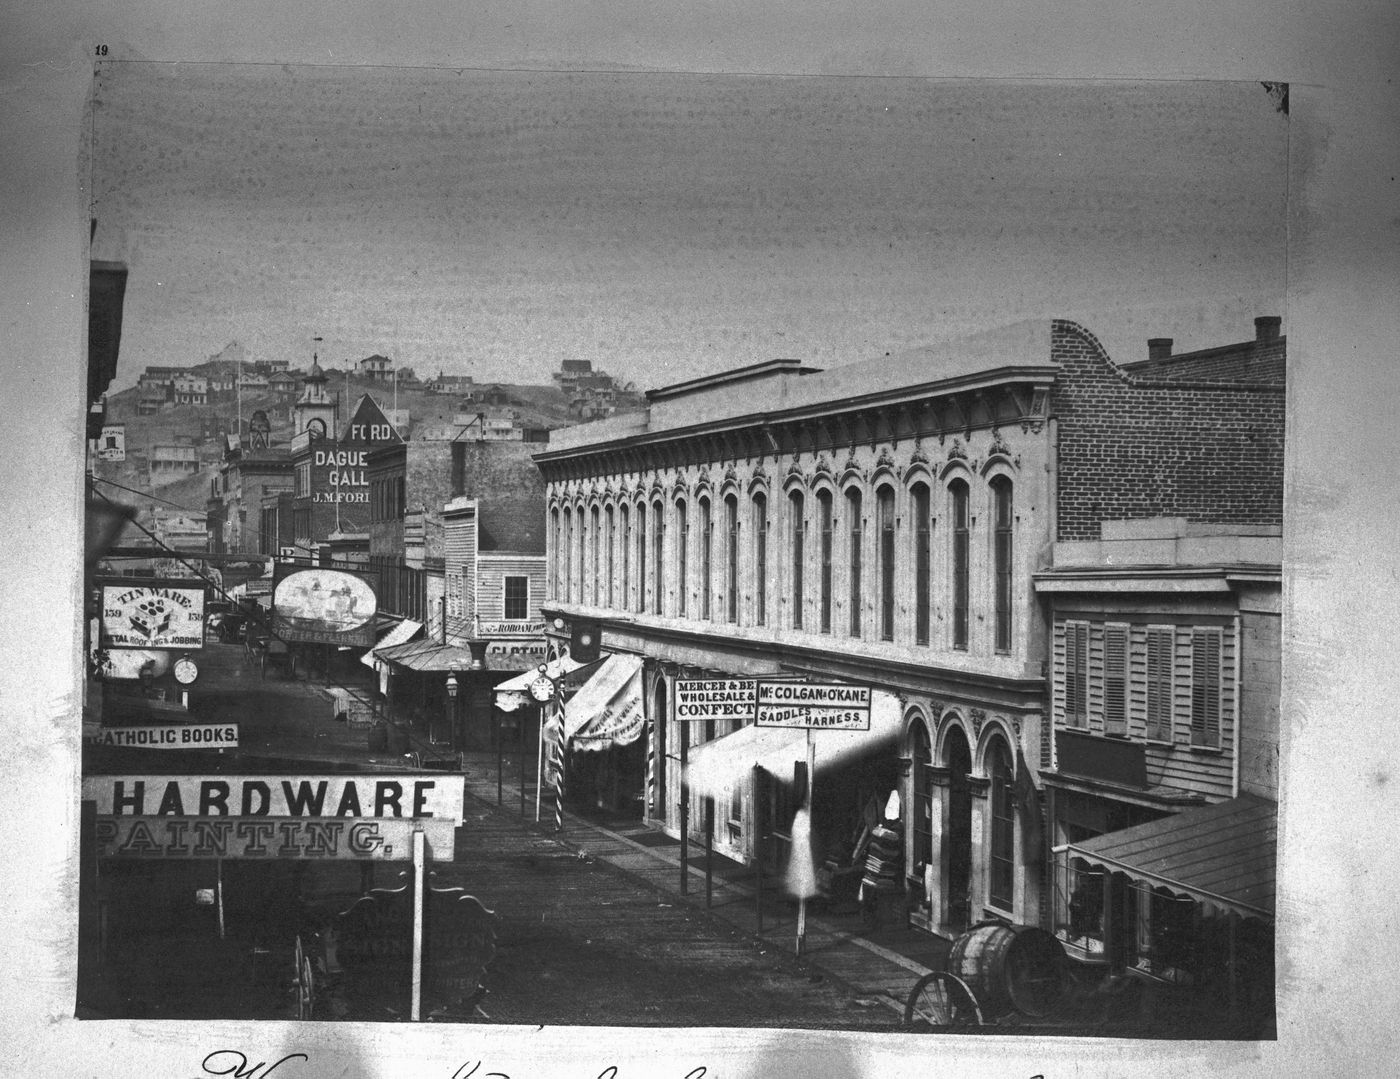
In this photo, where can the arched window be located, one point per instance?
(957, 494)
(857, 533)
(568, 584)
(731, 558)
(1001, 557)
(658, 564)
(797, 530)
(595, 540)
(923, 549)
(641, 600)
(1001, 874)
(682, 556)
(706, 557)
(624, 528)
(610, 541)
(884, 502)
(556, 536)
(824, 524)
(760, 558)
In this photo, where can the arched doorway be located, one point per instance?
(957, 846)
(922, 806)
(659, 766)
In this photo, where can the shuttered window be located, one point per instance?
(760, 558)
(682, 550)
(958, 491)
(1076, 674)
(922, 552)
(1159, 663)
(1205, 688)
(1115, 679)
(853, 508)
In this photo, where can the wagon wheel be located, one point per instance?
(305, 983)
(941, 999)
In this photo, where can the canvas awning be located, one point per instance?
(398, 634)
(607, 710)
(713, 767)
(554, 669)
(427, 655)
(1222, 855)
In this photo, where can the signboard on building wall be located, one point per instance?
(819, 706)
(340, 470)
(152, 615)
(361, 817)
(184, 736)
(329, 606)
(724, 699)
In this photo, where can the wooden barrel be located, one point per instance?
(1009, 967)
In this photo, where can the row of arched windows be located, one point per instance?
(865, 564)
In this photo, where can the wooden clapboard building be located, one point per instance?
(1163, 594)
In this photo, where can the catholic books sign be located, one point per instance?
(329, 606)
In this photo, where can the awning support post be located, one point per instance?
(811, 783)
(709, 849)
(757, 792)
(419, 856)
(685, 812)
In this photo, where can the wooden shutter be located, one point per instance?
(1160, 662)
(1115, 679)
(1076, 673)
(1205, 687)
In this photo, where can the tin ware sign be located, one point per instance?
(152, 616)
(813, 705)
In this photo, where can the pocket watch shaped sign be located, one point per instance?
(152, 616)
(324, 605)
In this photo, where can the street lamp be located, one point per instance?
(451, 704)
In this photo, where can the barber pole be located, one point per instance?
(554, 728)
(651, 766)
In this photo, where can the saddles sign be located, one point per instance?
(816, 706)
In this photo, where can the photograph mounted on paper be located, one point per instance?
(842, 515)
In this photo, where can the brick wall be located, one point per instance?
(1253, 361)
(504, 478)
(1132, 447)
(429, 487)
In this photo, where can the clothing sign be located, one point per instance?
(834, 706)
(191, 736)
(731, 699)
(152, 616)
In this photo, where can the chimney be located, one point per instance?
(1266, 328)
(1159, 348)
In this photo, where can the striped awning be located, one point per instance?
(1222, 855)
(398, 634)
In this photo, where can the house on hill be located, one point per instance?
(376, 368)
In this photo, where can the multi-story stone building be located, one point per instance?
(882, 524)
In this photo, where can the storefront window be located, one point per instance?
(1078, 903)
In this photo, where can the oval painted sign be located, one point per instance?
(324, 600)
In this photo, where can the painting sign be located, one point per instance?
(329, 606)
(360, 817)
(152, 615)
(813, 705)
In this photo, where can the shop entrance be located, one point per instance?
(957, 849)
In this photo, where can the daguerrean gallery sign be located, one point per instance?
(245, 816)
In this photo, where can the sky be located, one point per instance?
(666, 226)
